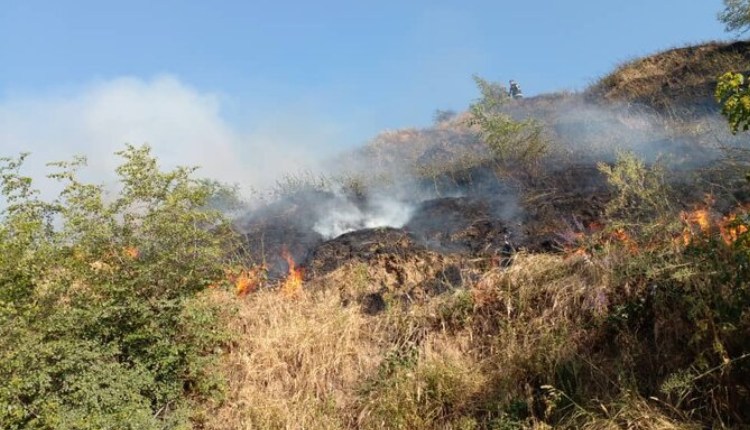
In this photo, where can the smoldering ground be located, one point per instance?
(418, 180)
(441, 186)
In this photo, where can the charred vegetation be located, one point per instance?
(582, 264)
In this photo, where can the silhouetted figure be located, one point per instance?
(515, 90)
(506, 253)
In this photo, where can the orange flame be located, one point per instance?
(618, 235)
(622, 236)
(697, 222)
(248, 280)
(576, 252)
(131, 252)
(292, 286)
(729, 230)
(700, 217)
(244, 280)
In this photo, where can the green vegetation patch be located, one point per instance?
(99, 322)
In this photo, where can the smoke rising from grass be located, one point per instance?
(342, 215)
(452, 157)
(381, 184)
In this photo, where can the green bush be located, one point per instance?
(100, 326)
(733, 93)
(511, 141)
(640, 192)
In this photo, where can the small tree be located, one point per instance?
(510, 140)
(733, 93)
(736, 15)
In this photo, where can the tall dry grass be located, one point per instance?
(295, 363)
(524, 347)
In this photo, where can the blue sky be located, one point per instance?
(305, 77)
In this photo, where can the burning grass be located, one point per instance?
(387, 334)
(456, 361)
(640, 322)
(619, 310)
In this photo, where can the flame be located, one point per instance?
(131, 252)
(618, 235)
(244, 280)
(697, 222)
(248, 280)
(622, 236)
(576, 252)
(292, 286)
(729, 229)
(700, 217)
(702, 222)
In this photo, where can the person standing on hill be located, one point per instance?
(515, 90)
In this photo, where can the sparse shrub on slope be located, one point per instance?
(641, 195)
(511, 141)
(733, 93)
(100, 326)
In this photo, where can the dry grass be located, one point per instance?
(674, 79)
(630, 412)
(314, 363)
(435, 388)
(295, 363)
(523, 347)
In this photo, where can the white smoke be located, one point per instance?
(341, 215)
(183, 125)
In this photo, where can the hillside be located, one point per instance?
(563, 261)
(603, 284)
(678, 81)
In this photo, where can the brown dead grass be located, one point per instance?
(680, 80)
(295, 363)
(632, 412)
(456, 361)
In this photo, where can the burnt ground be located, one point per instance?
(371, 266)
(463, 225)
(477, 226)
(449, 226)
(447, 243)
(283, 226)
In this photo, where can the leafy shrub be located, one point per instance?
(99, 325)
(510, 141)
(640, 192)
(733, 93)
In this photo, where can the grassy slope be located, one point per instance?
(580, 342)
(681, 79)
